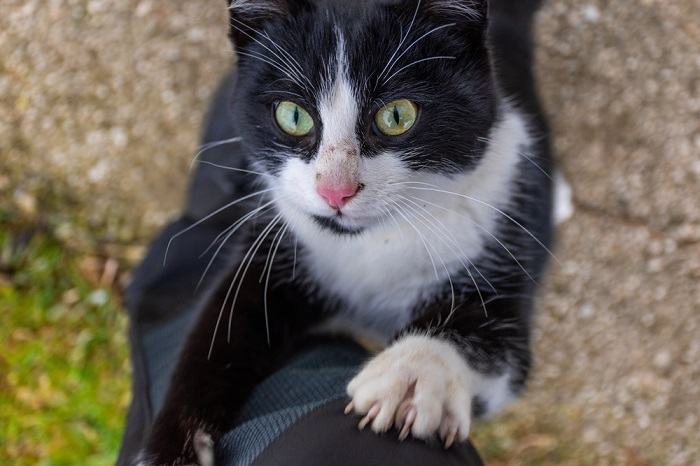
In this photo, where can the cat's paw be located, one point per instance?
(421, 385)
(202, 454)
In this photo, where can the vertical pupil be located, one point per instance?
(296, 116)
(397, 115)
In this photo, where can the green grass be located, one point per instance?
(64, 373)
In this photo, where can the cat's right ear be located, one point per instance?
(248, 17)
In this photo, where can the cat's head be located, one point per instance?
(343, 103)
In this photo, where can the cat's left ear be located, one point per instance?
(472, 15)
(248, 17)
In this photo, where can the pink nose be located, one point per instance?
(337, 196)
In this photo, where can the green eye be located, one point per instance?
(293, 119)
(397, 117)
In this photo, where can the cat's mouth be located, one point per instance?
(338, 224)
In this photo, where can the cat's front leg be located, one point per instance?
(215, 374)
(421, 385)
(429, 384)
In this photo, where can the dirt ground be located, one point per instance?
(101, 102)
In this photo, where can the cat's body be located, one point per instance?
(436, 250)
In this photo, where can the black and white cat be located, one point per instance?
(398, 188)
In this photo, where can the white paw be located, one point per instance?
(204, 447)
(421, 385)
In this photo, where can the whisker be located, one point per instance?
(290, 66)
(260, 241)
(420, 235)
(439, 57)
(413, 44)
(216, 212)
(269, 254)
(449, 235)
(403, 39)
(478, 290)
(228, 294)
(449, 277)
(228, 232)
(210, 145)
(267, 281)
(486, 204)
(476, 224)
(240, 170)
(294, 265)
(271, 63)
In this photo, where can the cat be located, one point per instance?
(397, 186)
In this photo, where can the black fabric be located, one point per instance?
(326, 436)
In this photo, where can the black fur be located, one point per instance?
(206, 392)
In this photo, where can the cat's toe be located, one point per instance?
(419, 387)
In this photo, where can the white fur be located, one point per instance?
(381, 273)
(339, 151)
(495, 392)
(563, 199)
(442, 383)
(338, 106)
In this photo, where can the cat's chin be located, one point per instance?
(339, 225)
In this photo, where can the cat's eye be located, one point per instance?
(397, 117)
(293, 119)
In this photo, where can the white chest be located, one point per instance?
(436, 232)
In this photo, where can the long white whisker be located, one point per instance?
(216, 212)
(486, 204)
(271, 63)
(228, 294)
(294, 265)
(403, 39)
(439, 57)
(420, 235)
(284, 51)
(269, 253)
(290, 67)
(260, 241)
(455, 243)
(230, 231)
(234, 169)
(416, 42)
(205, 147)
(480, 227)
(267, 281)
(428, 224)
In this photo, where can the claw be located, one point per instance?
(371, 414)
(349, 408)
(407, 423)
(450, 440)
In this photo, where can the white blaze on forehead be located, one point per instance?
(338, 109)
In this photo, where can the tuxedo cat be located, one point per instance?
(397, 188)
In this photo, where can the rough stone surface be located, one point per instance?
(619, 331)
(101, 102)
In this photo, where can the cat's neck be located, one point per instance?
(439, 228)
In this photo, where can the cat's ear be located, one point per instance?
(247, 17)
(469, 14)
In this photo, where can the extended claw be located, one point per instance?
(371, 414)
(450, 439)
(409, 418)
(349, 408)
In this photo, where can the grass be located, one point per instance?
(64, 373)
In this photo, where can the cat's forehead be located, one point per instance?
(374, 40)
